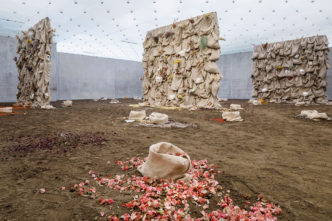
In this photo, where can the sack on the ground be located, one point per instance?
(137, 115)
(6, 109)
(231, 116)
(158, 118)
(313, 114)
(67, 103)
(236, 107)
(166, 160)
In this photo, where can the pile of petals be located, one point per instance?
(158, 199)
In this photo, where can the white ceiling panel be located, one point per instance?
(117, 28)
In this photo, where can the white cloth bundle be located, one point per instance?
(67, 103)
(158, 118)
(137, 115)
(236, 107)
(6, 109)
(166, 160)
(313, 114)
(232, 116)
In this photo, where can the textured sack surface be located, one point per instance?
(158, 118)
(163, 162)
(67, 103)
(114, 101)
(179, 64)
(232, 116)
(137, 115)
(235, 107)
(291, 71)
(6, 109)
(34, 64)
(313, 114)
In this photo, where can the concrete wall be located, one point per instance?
(8, 70)
(236, 69)
(87, 77)
(329, 78)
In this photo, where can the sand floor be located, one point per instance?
(272, 152)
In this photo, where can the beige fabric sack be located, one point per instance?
(235, 107)
(67, 103)
(114, 101)
(158, 118)
(137, 115)
(313, 114)
(254, 102)
(6, 109)
(232, 116)
(163, 162)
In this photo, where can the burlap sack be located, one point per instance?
(67, 103)
(232, 116)
(158, 118)
(166, 160)
(235, 107)
(313, 114)
(137, 115)
(6, 109)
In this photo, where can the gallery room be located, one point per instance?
(165, 110)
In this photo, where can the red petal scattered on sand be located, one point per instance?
(169, 200)
(220, 120)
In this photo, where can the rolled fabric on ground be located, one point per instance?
(67, 103)
(137, 115)
(236, 107)
(6, 109)
(166, 160)
(232, 116)
(158, 118)
(313, 114)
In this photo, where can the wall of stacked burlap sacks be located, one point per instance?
(291, 71)
(179, 62)
(34, 65)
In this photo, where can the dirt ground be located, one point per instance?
(272, 152)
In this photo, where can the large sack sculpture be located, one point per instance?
(34, 65)
(179, 63)
(291, 71)
(166, 160)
